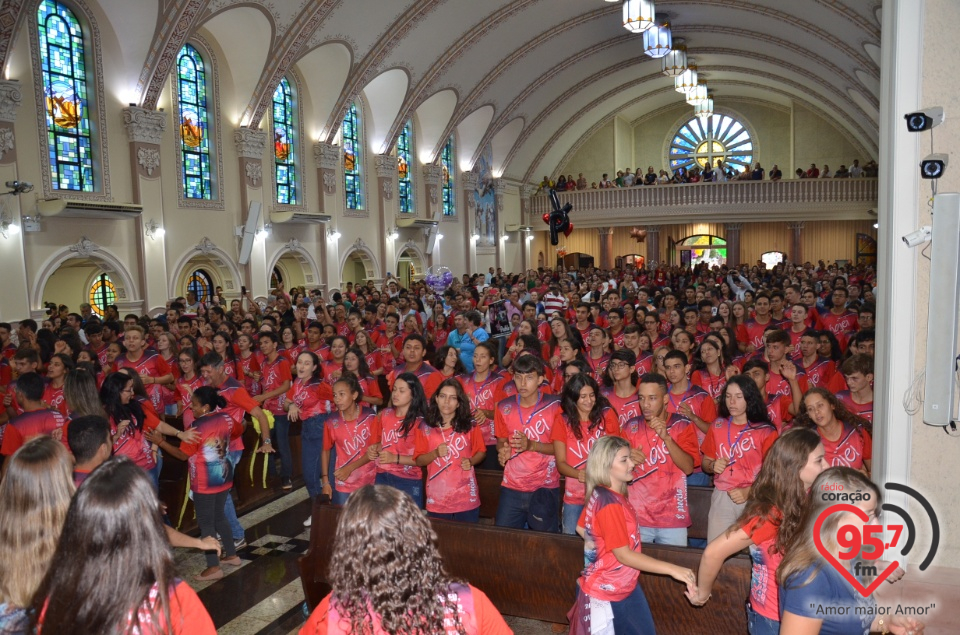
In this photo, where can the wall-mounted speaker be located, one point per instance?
(249, 232)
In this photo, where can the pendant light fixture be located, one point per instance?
(687, 80)
(697, 95)
(674, 63)
(704, 109)
(658, 40)
(638, 15)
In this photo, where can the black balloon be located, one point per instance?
(559, 218)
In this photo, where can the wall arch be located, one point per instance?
(722, 110)
(127, 290)
(366, 255)
(308, 266)
(206, 255)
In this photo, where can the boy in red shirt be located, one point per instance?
(858, 371)
(276, 380)
(36, 418)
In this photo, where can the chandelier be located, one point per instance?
(704, 109)
(687, 80)
(674, 63)
(638, 15)
(657, 40)
(697, 95)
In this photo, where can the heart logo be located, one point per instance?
(849, 577)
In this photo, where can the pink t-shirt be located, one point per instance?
(577, 450)
(528, 471)
(744, 445)
(626, 407)
(450, 488)
(481, 395)
(764, 594)
(610, 523)
(386, 432)
(351, 438)
(153, 365)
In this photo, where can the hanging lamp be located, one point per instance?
(638, 15)
(687, 80)
(697, 95)
(658, 40)
(674, 63)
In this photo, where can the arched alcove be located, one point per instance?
(700, 248)
(358, 264)
(296, 266)
(71, 271)
(208, 257)
(411, 263)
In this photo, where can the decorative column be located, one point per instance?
(145, 130)
(326, 156)
(16, 295)
(606, 247)
(251, 145)
(653, 246)
(468, 181)
(526, 218)
(500, 187)
(796, 242)
(387, 175)
(733, 243)
(432, 174)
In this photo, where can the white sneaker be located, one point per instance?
(308, 521)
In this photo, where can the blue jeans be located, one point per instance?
(413, 487)
(311, 441)
(759, 625)
(699, 479)
(281, 440)
(154, 472)
(631, 615)
(469, 516)
(340, 498)
(538, 510)
(676, 536)
(228, 509)
(571, 515)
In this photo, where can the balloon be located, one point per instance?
(546, 218)
(438, 278)
(559, 218)
(568, 230)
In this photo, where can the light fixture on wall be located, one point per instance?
(153, 230)
(263, 232)
(697, 95)
(474, 237)
(704, 109)
(674, 63)
(333, 234)
(687, 80)
(658, 40)
(7, 227)
(439, 236)
(394, 233)
(638, 15)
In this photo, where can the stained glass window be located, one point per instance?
(352, 158)
(65, 95)
(712, 139)
(194, 124)
(446, 180)
(404, 170)
(201, 284)
(283, 144)
(102, 294)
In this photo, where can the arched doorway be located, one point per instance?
(358, 264)
(217, 265)
(771, 259)
(576, 260)
(701, 248)
(410, 265)
(80, 280)
(631, 260)
(70, 274)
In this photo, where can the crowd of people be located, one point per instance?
(704, 173)
(631, 384)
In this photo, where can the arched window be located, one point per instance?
(63, 69)
(404, 171)
(101, 294)
(712, 139)
(449, 197)
(201, 284)
(194, 124)
(284, 148)
(276, 278)
(352, 159)
(702, 248)
(771, 259)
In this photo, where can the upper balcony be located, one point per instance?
(738, 201)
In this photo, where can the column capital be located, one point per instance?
(604, 231)
(144, 126)
(527, 190)
(469, 180)
(250, 143)
(652, 229)
(500, 186)
(797, 226)
(386, 166)
(326, 156)
(10, 99)
(733, 227)
(432, 174)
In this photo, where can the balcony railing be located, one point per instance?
(828, 199)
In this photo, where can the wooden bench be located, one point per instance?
(533, 575)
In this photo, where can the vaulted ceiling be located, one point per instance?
(530, 77)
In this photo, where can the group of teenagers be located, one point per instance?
(629, 399)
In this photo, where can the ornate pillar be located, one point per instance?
(606, 247)
(326, 156)
(16, 295)
(251, 145)
(468, 181)
(500, 187)
(145, 130)
(387, 175)
(653, 246)
(432, 174)
(733, 243)
(796, 242)
(526, 218)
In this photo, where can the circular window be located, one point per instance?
(711, 139)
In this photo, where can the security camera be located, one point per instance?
(19, 187)
(925, 119)
(933, 166)
(918, 237)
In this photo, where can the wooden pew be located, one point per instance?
(533, 575)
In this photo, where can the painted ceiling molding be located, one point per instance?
(172, 33)
(13, 13)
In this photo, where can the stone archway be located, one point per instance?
(211, 259)
(358, 261)
(297, 266)
(411, 263)
(87, 252)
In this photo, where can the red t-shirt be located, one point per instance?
(626, 408)
(210, 470)
(712, 384)
(820, 372)
(239, 403)
(53, 397)
(744, 445)
(659, 491)
(150, 364)
(577, 450)
(386, 432)
(483, 397)
(599, 366)
(450, 488)
(528, 471)
(430, 378)
(764, 593)
(133, 444)
(610, 522)
(778, 408)
(275, 373)
(751, 332)
(32, 424)
(249, 366)
(185, 388)
(852, 448)
(864, 410)
(351, 438)
(312, 397)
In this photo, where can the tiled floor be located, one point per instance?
(264, 595)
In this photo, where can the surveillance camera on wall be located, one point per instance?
(918, 237)
(933, 166)
(19, 187)
(925, 119)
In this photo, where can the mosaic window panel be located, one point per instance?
(102, 294)
(64, 74)
(202, 285)
(194, 125)
(710, 139)
(446, 179)
(284, 148)
(352, 159)
(404, 169)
